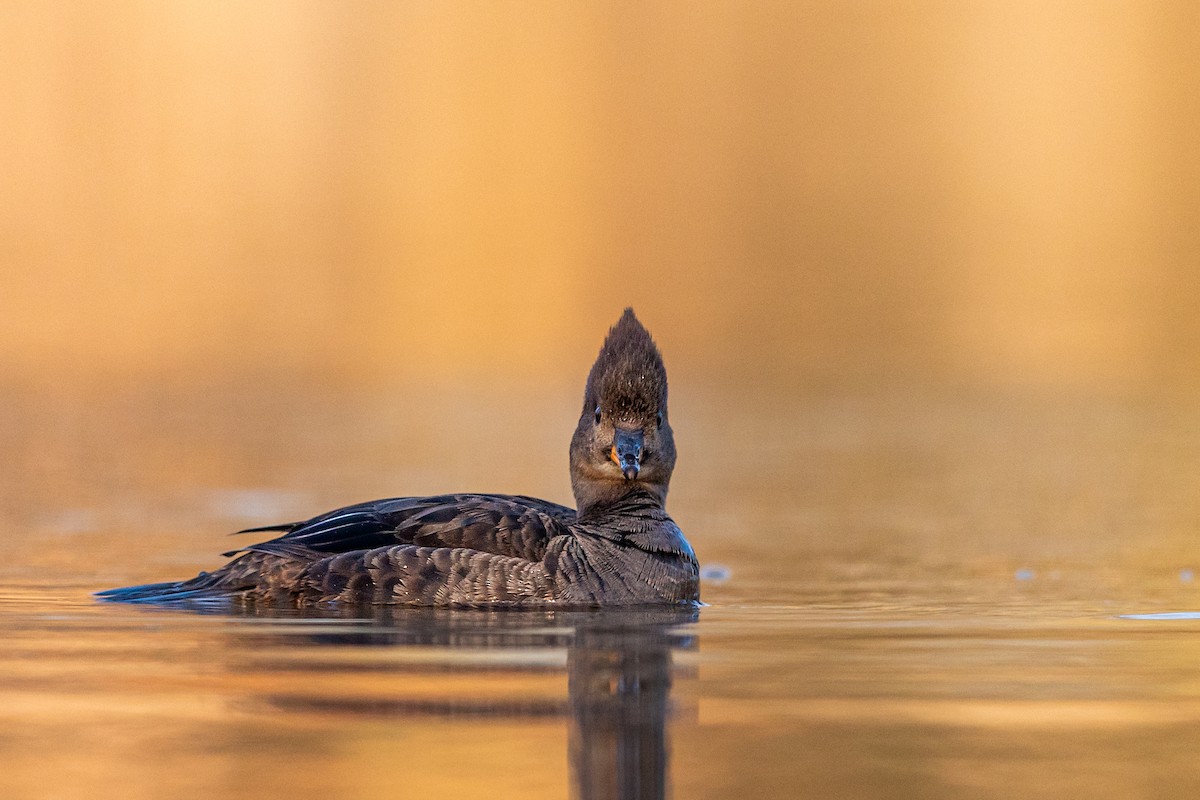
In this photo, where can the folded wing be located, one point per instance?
(504, 525)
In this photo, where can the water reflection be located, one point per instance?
(619, 670)
(620, 684)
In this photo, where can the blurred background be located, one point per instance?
(926, 277)
(790, 194)
(915, 267)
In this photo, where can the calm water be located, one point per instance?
(909, 595)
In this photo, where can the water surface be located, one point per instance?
(911, 595)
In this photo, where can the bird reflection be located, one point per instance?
(619, 676)
(619, 685)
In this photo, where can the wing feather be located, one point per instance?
(514, 526)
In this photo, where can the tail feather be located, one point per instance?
(250, 575)
(162, 593)
(205, 586)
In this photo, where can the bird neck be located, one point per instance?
(599, 499)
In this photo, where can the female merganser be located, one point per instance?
(619, 548)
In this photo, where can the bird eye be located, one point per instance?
(658, 420)
(597, 415)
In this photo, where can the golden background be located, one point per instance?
(925, 275)
(791, 193)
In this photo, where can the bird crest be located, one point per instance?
(628, 378)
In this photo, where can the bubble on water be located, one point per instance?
(1024, 574)
(715, 573)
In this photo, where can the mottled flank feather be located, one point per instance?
(488, 549)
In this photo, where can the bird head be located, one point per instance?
(623, 442)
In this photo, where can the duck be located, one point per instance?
(617, 547)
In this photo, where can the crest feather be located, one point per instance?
(628, 378)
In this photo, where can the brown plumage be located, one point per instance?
(619, 548)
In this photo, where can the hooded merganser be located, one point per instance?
(619, 548)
